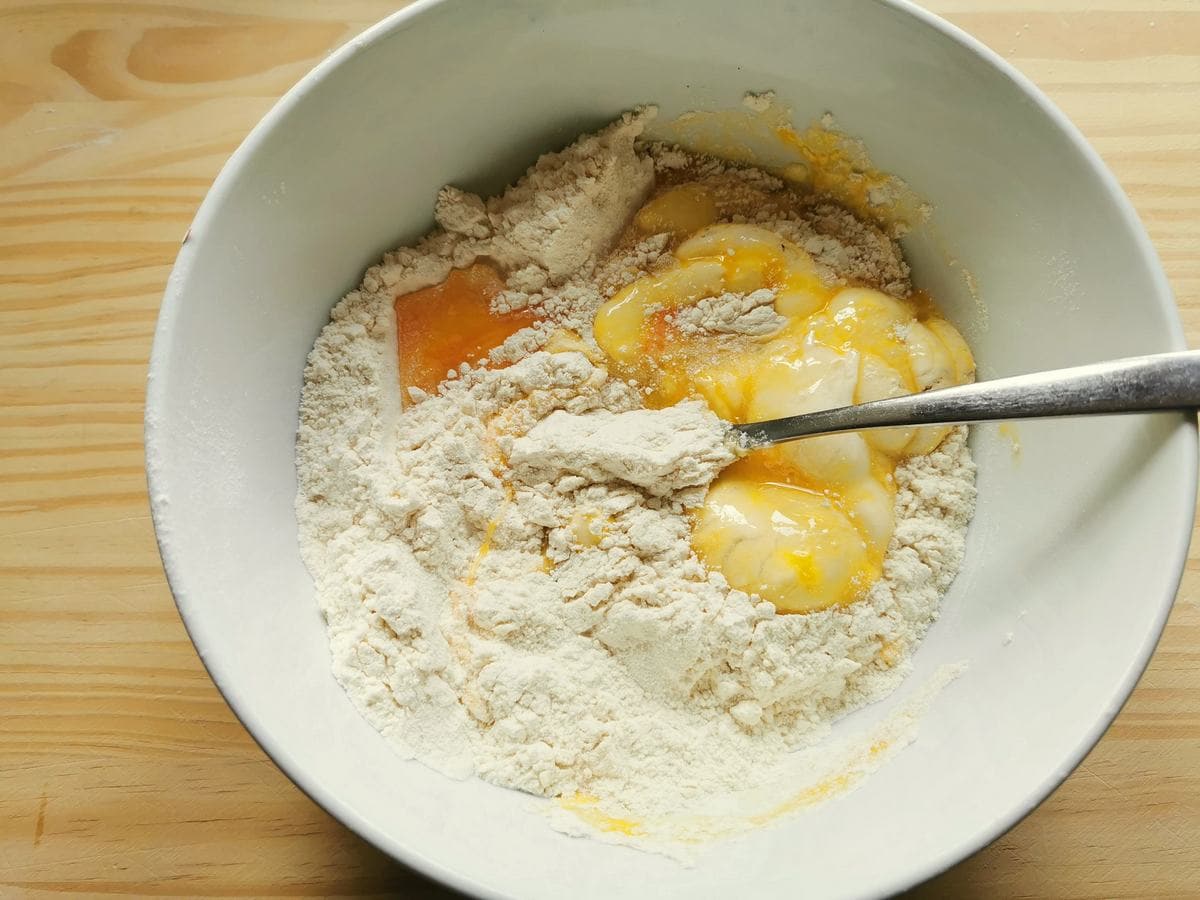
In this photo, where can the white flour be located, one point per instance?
(661, 451)
(749, 314)
(505, 566)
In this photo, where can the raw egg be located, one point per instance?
(804, 525)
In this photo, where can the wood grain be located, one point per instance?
(122, 772)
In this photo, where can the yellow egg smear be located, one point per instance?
(804, 525)
(587, 808)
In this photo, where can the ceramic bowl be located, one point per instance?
(1076, 550)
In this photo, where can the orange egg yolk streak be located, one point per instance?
(440, 327)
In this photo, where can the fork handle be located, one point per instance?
(1163, 381)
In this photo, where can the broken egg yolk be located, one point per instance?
(806, 524)
(440, 327)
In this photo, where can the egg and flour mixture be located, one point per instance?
(539, 555)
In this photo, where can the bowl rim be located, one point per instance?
(156, 399)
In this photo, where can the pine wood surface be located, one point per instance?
(122, 771)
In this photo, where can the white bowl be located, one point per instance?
(1075, 552)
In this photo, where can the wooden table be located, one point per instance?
(123, 773)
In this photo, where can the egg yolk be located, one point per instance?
(440, 327)
(804, 525)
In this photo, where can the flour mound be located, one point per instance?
(751, 314)
(662, 451)
(504, 565)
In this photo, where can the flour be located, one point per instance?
(505, 567)
(748, 314)
(661, 451)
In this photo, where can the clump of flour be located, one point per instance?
(505, 566)
(749, 314)
(662, 451)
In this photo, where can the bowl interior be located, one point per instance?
(1078, 542)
